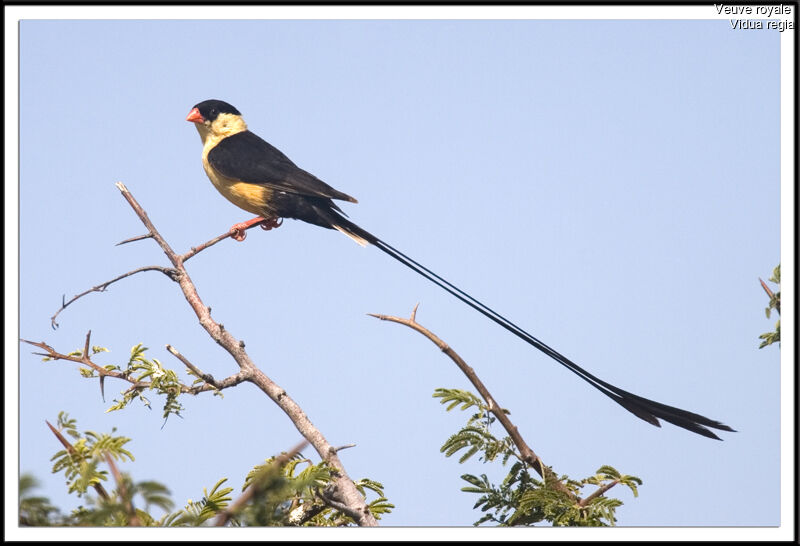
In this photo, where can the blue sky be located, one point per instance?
(612, 186)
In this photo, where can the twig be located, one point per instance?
(127, 502)
(256, 486)
(208, 378)
(103, 372)
(170, 272)
(584, 502)
(137, 238)
(770, 294)
(766, 288)
(526, 453)
(102, 287)
(199, 248)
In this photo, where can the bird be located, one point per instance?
(262, 180)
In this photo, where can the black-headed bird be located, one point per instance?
(259, 178)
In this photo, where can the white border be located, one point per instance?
(788, 146)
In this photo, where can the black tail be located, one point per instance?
(643, 408)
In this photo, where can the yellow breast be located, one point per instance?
(250, 197)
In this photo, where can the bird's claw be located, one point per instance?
(239, 231)
(270, 223)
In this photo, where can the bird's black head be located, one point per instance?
(210, 109)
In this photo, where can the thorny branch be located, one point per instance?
(527, 454)
(169, 272)
(102, 287)
(346, 495)
(141, 385)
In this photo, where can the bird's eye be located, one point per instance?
(213, 112)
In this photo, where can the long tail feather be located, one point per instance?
(647, 410)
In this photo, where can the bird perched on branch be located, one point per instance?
(259, 178)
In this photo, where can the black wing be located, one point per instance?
(247, 157)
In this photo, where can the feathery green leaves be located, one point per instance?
(80, 466)
(161, 380)
(774, 303)
(520, 499)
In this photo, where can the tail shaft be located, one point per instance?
(643, 408)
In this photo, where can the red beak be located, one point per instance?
(195, 116)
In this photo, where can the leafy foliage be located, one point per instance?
(520, 499)
(161, 380)
(285, 491)
(293, 494)
(774, 303)
(80, 465)
(210, 505)
(118, 509)
(35, 511)
(475, 436)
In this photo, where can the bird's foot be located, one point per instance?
(270, 223)
(239, 231)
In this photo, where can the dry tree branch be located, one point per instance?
(207, 377)
(137, 238)
(197, 249)
(169, 272)
(347, 494)
(527, 454)
(102, 287)
(350, 496)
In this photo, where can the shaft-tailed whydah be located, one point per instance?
(259, 178)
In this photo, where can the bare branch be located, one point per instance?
(208, 378)
(766, 288)
(83, 359)
(527, 454)
(137, 238)
(197, 249)
(102, 287)
(151, 234)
